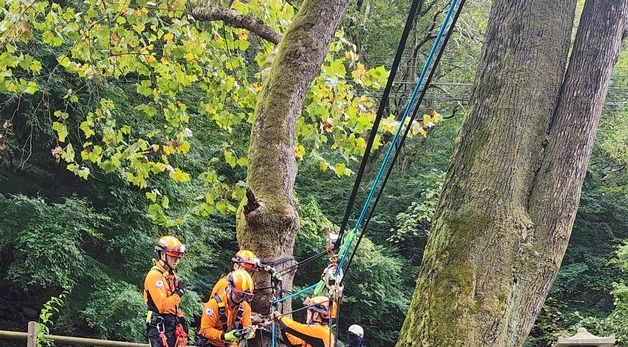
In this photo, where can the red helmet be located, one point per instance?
(247, 259)
(320, 304)
(171, 246)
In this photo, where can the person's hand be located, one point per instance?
(250, 334)
(231, 336)
(256, 318)
(180, 288)
(275, 315)
(266, 323)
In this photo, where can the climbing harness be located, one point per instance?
(222, 315)
(161, 329)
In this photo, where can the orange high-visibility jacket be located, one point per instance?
(159, 287)
(211, 325)
(220, 286)
(305, 335)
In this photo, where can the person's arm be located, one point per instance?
(311, 334)
(156, 284)
(291, 340)
(246, 315)
(209, 317)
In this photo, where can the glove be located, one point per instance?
(180, 288)
(275, 315)
(249, 335)
(231, 336)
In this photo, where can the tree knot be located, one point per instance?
(251, 202)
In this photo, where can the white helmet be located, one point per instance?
(357, 330)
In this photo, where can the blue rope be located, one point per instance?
(415, 92)
(393, 142)
(419, 85)
(304, 290)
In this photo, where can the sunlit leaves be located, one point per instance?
(158, 56)
(61, 130)
(179, 175)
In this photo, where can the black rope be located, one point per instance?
(279, 261)
(302, 262)
(405, 134)
(378, 117)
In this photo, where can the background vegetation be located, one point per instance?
(92, 238)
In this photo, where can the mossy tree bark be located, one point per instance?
(267, 221)
(513, 185)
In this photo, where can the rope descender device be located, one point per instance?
(332, 275)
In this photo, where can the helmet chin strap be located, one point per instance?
(230, 300)
(165, 262)
(312, 320)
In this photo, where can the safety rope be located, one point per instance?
(378, 118)
(346, 245)
(419, 85)
(405, 135)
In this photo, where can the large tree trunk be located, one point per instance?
(555, 194)
(512, 188)
(267, 221)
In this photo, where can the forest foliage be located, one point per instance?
(125, 120)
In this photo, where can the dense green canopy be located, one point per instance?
(123, 122)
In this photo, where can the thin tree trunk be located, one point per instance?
(267, 221)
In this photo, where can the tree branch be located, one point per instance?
(237, 20)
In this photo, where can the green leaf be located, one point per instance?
(87, 130)
(144, 88)
(242, 161)
(36, 66)
(68, 153)
(230, 158)
(179, 175)
(31, 88)
(379, 75)
(51, 39)
(61, 129)
(147, 109)
(26, 62)
(152, 196)
(340, 169)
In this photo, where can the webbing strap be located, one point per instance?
(222, 313)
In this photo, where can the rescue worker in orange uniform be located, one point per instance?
(315, 333)
(226, 317)
(245, 260)
(162, 294)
